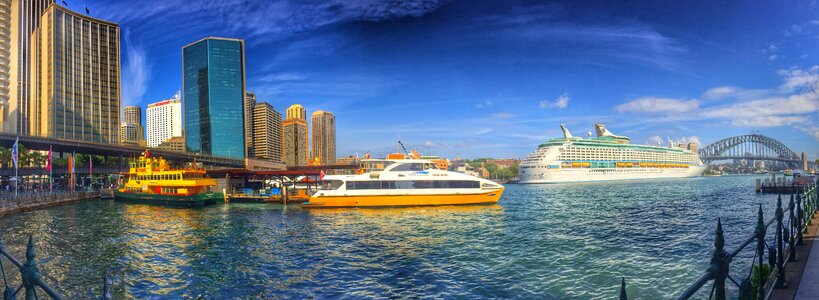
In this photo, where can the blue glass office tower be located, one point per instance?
(213, 86)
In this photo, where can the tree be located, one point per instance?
(5, 156)
(515, 169)
(491, 168)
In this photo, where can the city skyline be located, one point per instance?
(647, 70)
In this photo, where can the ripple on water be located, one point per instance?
(562, 241)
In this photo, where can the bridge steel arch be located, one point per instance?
(725, 149)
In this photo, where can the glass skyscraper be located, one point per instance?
(213, 88)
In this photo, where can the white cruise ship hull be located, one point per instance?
(604, 174)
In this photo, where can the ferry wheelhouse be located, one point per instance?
(607, 157)
(403, 182)
(151, 180)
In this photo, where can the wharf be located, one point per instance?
(27, 202)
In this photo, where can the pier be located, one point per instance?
(36, 200)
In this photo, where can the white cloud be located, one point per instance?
(690, 139)
(720, 92)
(658, 105)
(560, 103)
(655, 140)
(796, 28)
(503, 115)
(484, 104)
(136, 72)
(768, 121)
(773, 48)
(773, 57)
(429, 144)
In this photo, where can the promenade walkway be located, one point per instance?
(25, 202)
(808, 285)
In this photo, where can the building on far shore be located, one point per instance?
(294, 136)
(75, 78)
(175, 144)
(267, 132)
(323, 143)
(164, 121)
(250, 105)
(213, 93)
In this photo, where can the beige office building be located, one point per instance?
(19, 19)
(128, 133)
(267, 132)
(323, 143)
(77, 80)
(5, 57)
(294, 137)
(132, 115)
(250, 106)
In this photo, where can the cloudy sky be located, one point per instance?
(495, 78)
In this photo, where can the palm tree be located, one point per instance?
(5, 156)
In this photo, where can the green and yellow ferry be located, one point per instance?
(151, 180)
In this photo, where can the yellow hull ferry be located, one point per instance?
(403, 182)
(150, 180)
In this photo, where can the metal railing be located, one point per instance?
(787, 236)
(31, 278)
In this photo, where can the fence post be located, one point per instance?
(719, 262)
(781, 281)
(29, 271)
(760, 252)
(623, 295)
(791, 225)
(800, 220)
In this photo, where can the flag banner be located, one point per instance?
(71, 164)
(14, 154)
(90, 165)
(48, 161)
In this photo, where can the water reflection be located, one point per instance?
(540, 241)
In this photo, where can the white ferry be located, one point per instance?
(403, 182)
(607, 157)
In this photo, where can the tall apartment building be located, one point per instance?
(250, 104)
(128, 133)
(131, 130)
(22, 19)
(164, 121)
(267, 132)
(323, 132)
(76, 78)
(5, 58)
(213, 92)
(294, 136)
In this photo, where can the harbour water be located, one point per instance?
(561, 241)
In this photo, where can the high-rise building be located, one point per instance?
(250, 104)
(5, 59)
(175, 144)
(133, 115)
(267, 132)
(76, 84)
(323, 143)
(23, 21)
(294, 136)
(128, 133)
(213, 88)
(164, 121)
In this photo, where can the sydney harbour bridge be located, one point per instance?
(755, 147)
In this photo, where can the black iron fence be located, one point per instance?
(789, 222)
(31, 280)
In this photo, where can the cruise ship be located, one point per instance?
(606, 157)
(404, 181)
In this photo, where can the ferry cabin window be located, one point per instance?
(412, 184)
(331, 184)
(409, 167)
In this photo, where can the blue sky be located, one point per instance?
(481, 78)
